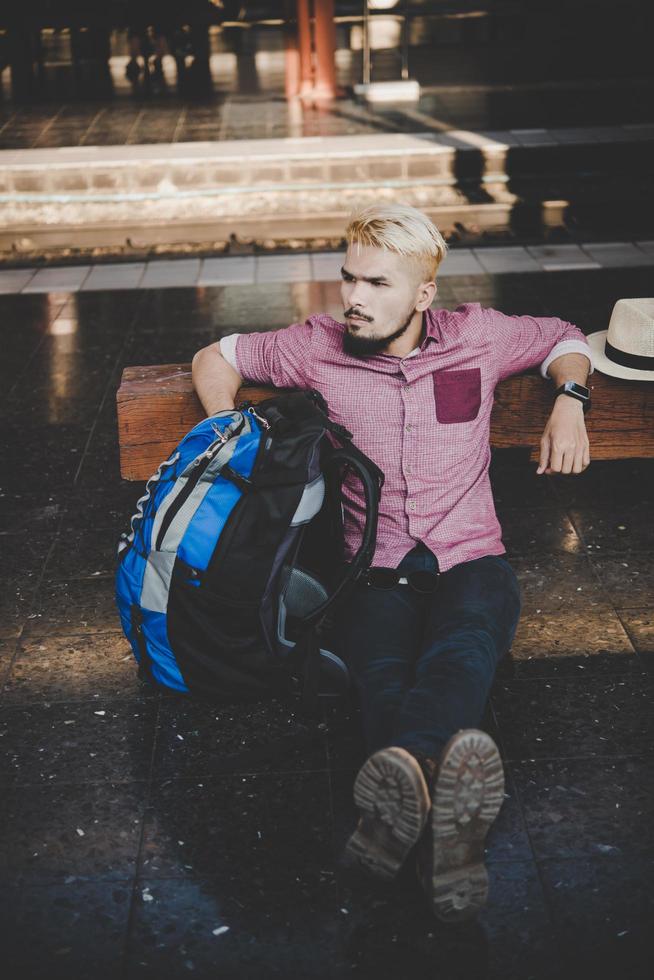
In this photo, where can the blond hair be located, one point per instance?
(401, 229)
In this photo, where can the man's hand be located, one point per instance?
(564, 446)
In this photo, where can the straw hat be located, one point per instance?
(626, 349)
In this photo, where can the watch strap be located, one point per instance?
(563, 390)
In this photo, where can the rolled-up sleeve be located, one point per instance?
(523, 342)
(278, 357)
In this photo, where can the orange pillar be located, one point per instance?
(292, 52)
(304, 44)
(325, 42)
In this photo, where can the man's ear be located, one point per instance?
(426, 293)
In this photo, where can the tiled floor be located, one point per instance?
(316, 267)
(532, 111)
(144, 835)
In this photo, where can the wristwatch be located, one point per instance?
(575, 390)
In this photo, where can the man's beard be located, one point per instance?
(359, 346)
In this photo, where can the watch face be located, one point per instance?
(577, 388)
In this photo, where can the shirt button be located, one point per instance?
(412, 506)
(409, 427)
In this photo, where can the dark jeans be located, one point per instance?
(424, 665)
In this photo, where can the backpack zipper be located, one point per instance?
(200, 463)
(235, 514)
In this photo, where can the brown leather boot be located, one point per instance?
(392, 796)
(467, 793)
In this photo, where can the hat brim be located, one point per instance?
(602, 363)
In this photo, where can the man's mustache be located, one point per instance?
(353, 312)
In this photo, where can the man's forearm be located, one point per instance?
(569, 367)
(564, 446)
(215, 381)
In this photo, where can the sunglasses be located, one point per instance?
(424, 583)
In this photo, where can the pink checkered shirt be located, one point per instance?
(423, 418)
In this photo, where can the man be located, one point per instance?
(423, 633)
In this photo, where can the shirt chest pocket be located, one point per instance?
(457, 394)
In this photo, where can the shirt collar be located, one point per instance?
(432, 324)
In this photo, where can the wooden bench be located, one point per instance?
(157, 406)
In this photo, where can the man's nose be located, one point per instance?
(358, 295)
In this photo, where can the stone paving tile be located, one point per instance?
(8, 645)
(64, 279)
(74, 831)
(24, 553)
(515, 482)
(95, 556)
(267, 306)
(557, 581)
(640, 130)
(639, 626)
(79, 606)
(326, 266)
(106, 508)
(602, 929)
(461, 262)
(517, 925)
(97, 740)
(595, 716)
(526, 531)
(555, 258)
(183, 272)
(70, 668)
(511, 259)
(343, 726)
(542, 138)
(582, 628)
(80, 929)
(283, 268)
(578, 663)
(616, 254)
(617, 483)
(627, 579)
(115, 276)
(390, 931)
(196, 739)
(580, 808)
(14, 280)
(614, 529)
(571, 135)
(262, 927)
(16, 598)
(220, 819)
(227, 271)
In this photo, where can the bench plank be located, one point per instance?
(157, 406)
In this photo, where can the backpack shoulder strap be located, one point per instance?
(372, 480)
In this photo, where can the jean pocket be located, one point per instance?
(458, 395)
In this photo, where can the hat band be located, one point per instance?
(641, 362)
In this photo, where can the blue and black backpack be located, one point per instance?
(235, 554)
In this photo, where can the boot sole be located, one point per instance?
(467, 796)
(392, 795)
